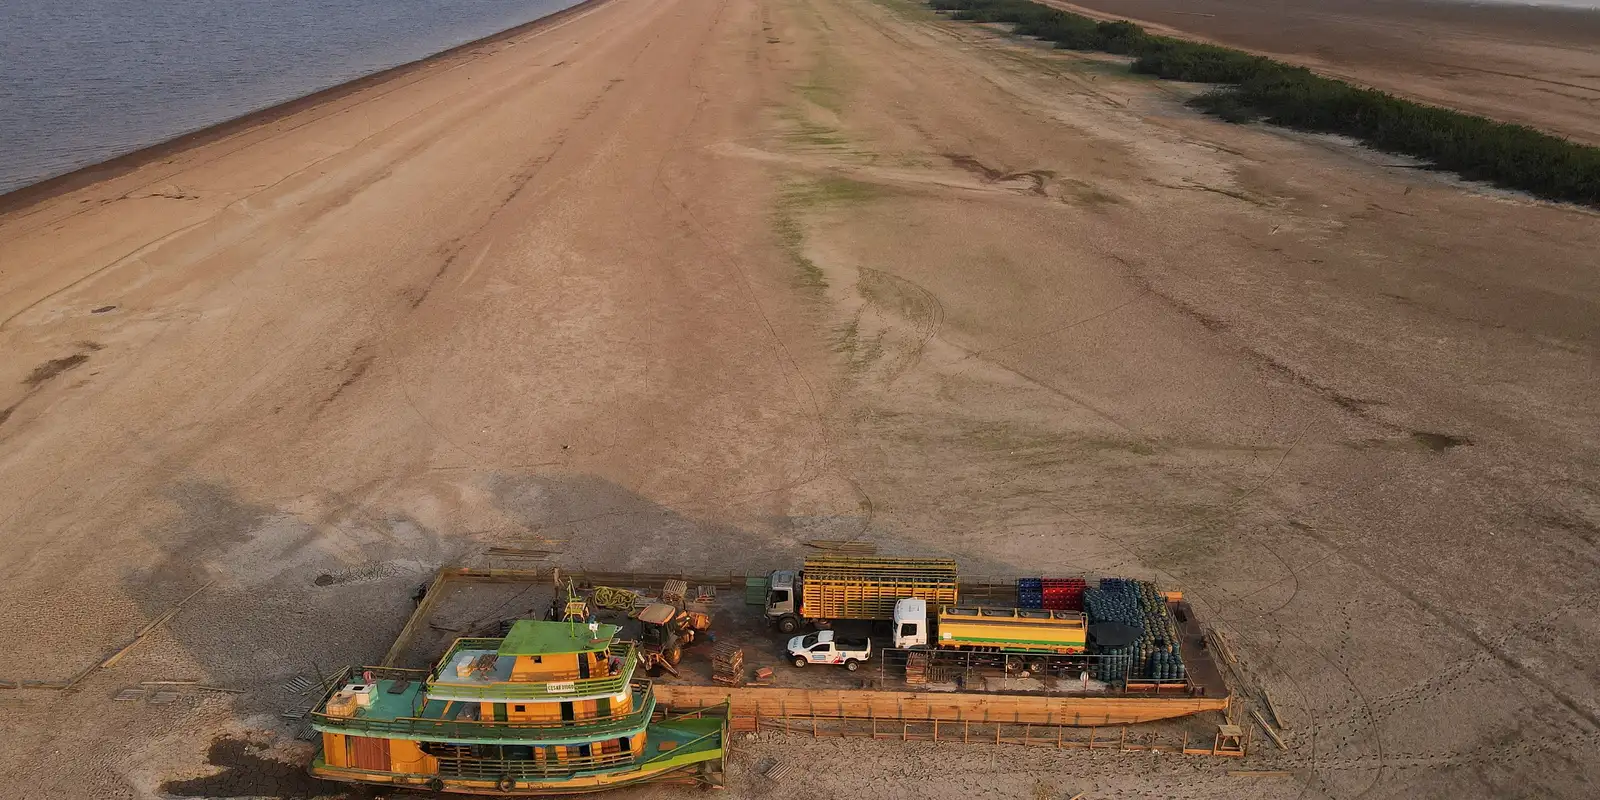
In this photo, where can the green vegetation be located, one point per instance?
(791, 237)
(800, 196)
(1259, 88)
(832, 189)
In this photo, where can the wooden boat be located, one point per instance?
(551, 708)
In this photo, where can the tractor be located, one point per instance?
(664, 630)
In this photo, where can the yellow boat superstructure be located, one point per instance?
(552, 708)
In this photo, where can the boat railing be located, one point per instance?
(543, 690)
(387, 674)
(496, 731)
(490, 769)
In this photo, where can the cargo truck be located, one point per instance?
(830, 588)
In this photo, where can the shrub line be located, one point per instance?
(1257, 88)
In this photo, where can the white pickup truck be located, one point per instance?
(823, 648)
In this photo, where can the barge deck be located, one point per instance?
(465, 601)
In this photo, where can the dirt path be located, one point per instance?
(680, 284)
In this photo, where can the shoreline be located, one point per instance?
(118, 166)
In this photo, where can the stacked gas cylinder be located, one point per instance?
(1056, 594)
(1159, 643)
(1115, 600)
(1154, 655)
(1030, 593)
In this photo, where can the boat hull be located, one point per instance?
(702, 772)
(685, 749)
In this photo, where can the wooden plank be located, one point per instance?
(25, 683)
(842, 546)
(111, 660)
(1266, 698)
(1220, 644)
(420, 615)
(518, 553)
(1272, 734)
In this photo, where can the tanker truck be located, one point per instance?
(1022, 631)
(1019, 640)
(830, 588)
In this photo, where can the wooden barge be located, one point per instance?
(846, 702)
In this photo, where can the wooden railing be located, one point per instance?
(750, 703)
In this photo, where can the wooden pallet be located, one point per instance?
(917, 670)
(727, 664)
(782, 771)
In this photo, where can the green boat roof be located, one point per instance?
(530, 637)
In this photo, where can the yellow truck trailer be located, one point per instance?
(832, 588)
(1011, 630)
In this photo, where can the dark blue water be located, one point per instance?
(82, 81)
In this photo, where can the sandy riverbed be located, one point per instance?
(679, 284)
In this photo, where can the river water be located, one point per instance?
(82, 81)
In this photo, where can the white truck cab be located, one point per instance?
(910, 623)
